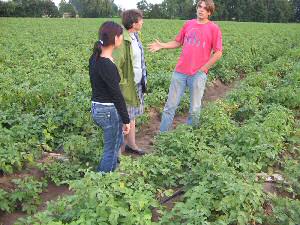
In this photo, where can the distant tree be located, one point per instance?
(255, 10)
(28, 8)
(221, 12)
(50, 9)
(7, 9)
(78, 5)
(95, 8)
(171, 8)
(188, 9)
(184, 9)
(238, 10)
(296, 6)
(144, 7)
(259, 11)
(155, 11)
(65, 7)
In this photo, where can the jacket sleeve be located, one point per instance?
(119, 60)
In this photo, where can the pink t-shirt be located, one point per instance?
(198, 41)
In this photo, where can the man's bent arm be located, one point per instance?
(215, 57)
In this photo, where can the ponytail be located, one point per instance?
(107, 33)
(96, 51)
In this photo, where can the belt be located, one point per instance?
(104, 103)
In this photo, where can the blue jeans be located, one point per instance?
(109, 120)
(196, 85)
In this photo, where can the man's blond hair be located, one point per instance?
(210, 5)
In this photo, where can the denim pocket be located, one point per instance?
(102, 118)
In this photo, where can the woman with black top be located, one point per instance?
(108, 105)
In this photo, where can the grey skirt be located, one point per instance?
(137, 111)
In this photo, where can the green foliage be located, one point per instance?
(287, 93)
(142, 120)
(152, 170)
(40, 218)
(259, 142)
(61, 172)
(19, 139)
(82, 149)
(5, 203)
(158, 87)
(28, 8)
(248, 100)
(291, 174)
(222, 200)
(242, 10)
(246, 10)
(102, 199)
(216, 123)
(47, 105)
(66, 8)
(285, 211)
(26, 193)
(291, 166)
(93, 8)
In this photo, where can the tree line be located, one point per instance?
(39, 8)
(28, 8)
(236, 10)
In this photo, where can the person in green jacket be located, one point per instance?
(130, 60)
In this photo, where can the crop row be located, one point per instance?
(216, 165)
(45, 90)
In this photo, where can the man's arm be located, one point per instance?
(157, 45)
(215, 57)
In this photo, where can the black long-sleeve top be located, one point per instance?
(105, 79)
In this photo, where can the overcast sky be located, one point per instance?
(124, 4)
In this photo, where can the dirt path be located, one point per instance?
(52, 192)
(145, 137)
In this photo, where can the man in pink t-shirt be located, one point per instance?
(201, 42)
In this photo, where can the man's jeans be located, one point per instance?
(196, 85)
(109, 120)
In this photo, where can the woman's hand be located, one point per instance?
(126, 128)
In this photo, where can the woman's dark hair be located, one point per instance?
(107, 33)
(131, 16)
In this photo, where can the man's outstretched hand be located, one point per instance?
(155, 46)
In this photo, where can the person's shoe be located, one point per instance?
(134, 151)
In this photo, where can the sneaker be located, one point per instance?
(134, 151)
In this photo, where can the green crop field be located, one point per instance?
(45, 107)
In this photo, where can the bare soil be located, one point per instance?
(51, 193)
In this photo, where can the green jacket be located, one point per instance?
(123, 57)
